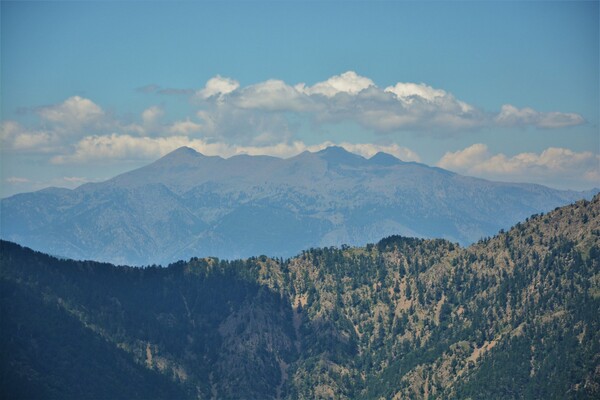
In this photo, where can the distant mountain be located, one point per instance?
(187, 204)
(516, 316)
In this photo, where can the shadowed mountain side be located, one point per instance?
(47, 353)
(201, 324)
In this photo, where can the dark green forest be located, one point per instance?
(516, 316)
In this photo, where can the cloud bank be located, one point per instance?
(273, 111)
(404, 106)
(553, 166)
(228, 118)
(126, 147)
(512, 116)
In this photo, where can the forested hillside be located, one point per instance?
(513, 316)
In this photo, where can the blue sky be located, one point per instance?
(501, 90)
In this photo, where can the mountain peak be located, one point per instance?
(339, 155)
(184, 151)
(181, 155)
(333, 150)
(384, 159)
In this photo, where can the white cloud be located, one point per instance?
(274, 106)
(73, 112)
(554, 166)
(512, 116)
(151, 115)
(14, 136)
(462, 160)
(269, 118)
(126, 147)
(349, 82)
(351, 97)
(282, 150)
(368, 150)
(244, 126)
(407, 92)
(186, 127)
(31, 140)
(114, 146)
(218, 86)
(383, 120)
(271, 95)
(345, 97)
(17, 180)
(419, 99)
(132, 128)
(9, 129)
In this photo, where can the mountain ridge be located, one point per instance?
(188, 204)
(512, 316)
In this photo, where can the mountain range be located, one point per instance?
(515, 316)
(187, 204)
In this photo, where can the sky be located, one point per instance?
(504, 90)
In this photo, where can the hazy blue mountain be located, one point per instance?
(187, 204)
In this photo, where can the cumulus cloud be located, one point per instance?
(271, 117)
(120, 147)
(151, 115)
(407, 92)
(286, 150)
(16, 137)
(512, 116)
(438, 111)
(348, 82)
(218, 86)
(341, 98)
(31, 140)
(73, 112)
(462, 160)
(9, 129)
(404, 106)
(368, 150)
(274, 111)
(185, 127)
(271, 95)
(116, 147)
(251, 115)
(126, 147)
(244, 126)
(553, 166)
